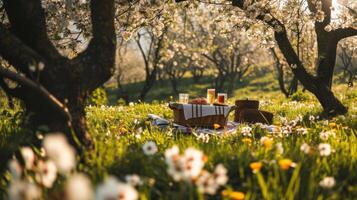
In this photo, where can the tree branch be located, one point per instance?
(99, 57)
(16, 52)
(28, 23)
(37, 90)
(342, 33)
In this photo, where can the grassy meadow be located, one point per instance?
(301, 157)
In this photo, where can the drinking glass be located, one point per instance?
(211, 93)
(222, 98)
(183, 98)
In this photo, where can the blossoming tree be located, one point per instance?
(329, 31)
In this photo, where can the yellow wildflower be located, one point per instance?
(122, 130)
(332, 124)
(216, 126)
(247, 141)
(256, 166)
(285, 164)
(234, 195)
(266, 142)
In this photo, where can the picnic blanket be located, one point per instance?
(164, 123)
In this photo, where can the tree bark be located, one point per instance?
(63, 81)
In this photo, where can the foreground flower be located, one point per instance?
(47, 173)
(78, 187)
(324, 149)
(113, 189)
(234, 195)
(256, 166)
(15, 169)
(62, 153)
(149, 148)
(20, 190)
(285, 164)
(327, 182)
(29, 156)
(208, 183)
(133, 180)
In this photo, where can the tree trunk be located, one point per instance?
(149, 83)
(56, 96)
(231, 83)
(174, 84)
(331, 105)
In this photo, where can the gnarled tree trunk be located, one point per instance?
(57, 99)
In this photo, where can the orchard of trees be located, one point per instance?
(55, 53)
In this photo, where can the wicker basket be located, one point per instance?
(244, 104)
(205, 121)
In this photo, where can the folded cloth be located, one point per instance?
(197, 110)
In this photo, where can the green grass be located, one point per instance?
(120, 131)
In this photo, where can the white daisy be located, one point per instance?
(325, 149)
(327, 182)
(149, 148)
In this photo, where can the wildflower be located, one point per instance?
(127, 192)
(19, 190)
(149, 148)
(216, 126)
(285, 164)
(234, 195)
(28, 156)
(247, 141)
(113, 189)
(122, 130)
(220, 174)
(78, 187)
(47, 173)
(324, 135)
(15, 169)
(59, 151)
(209, 183)
(256, 166)
(184, 167)
(325, 149)
(133, 180)
(246, 131)
(327, 182)
(332, 125)
(131, 103)
(301, 131)
(311, 118)
(305, 148)
(266, 142)
(205, 183)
